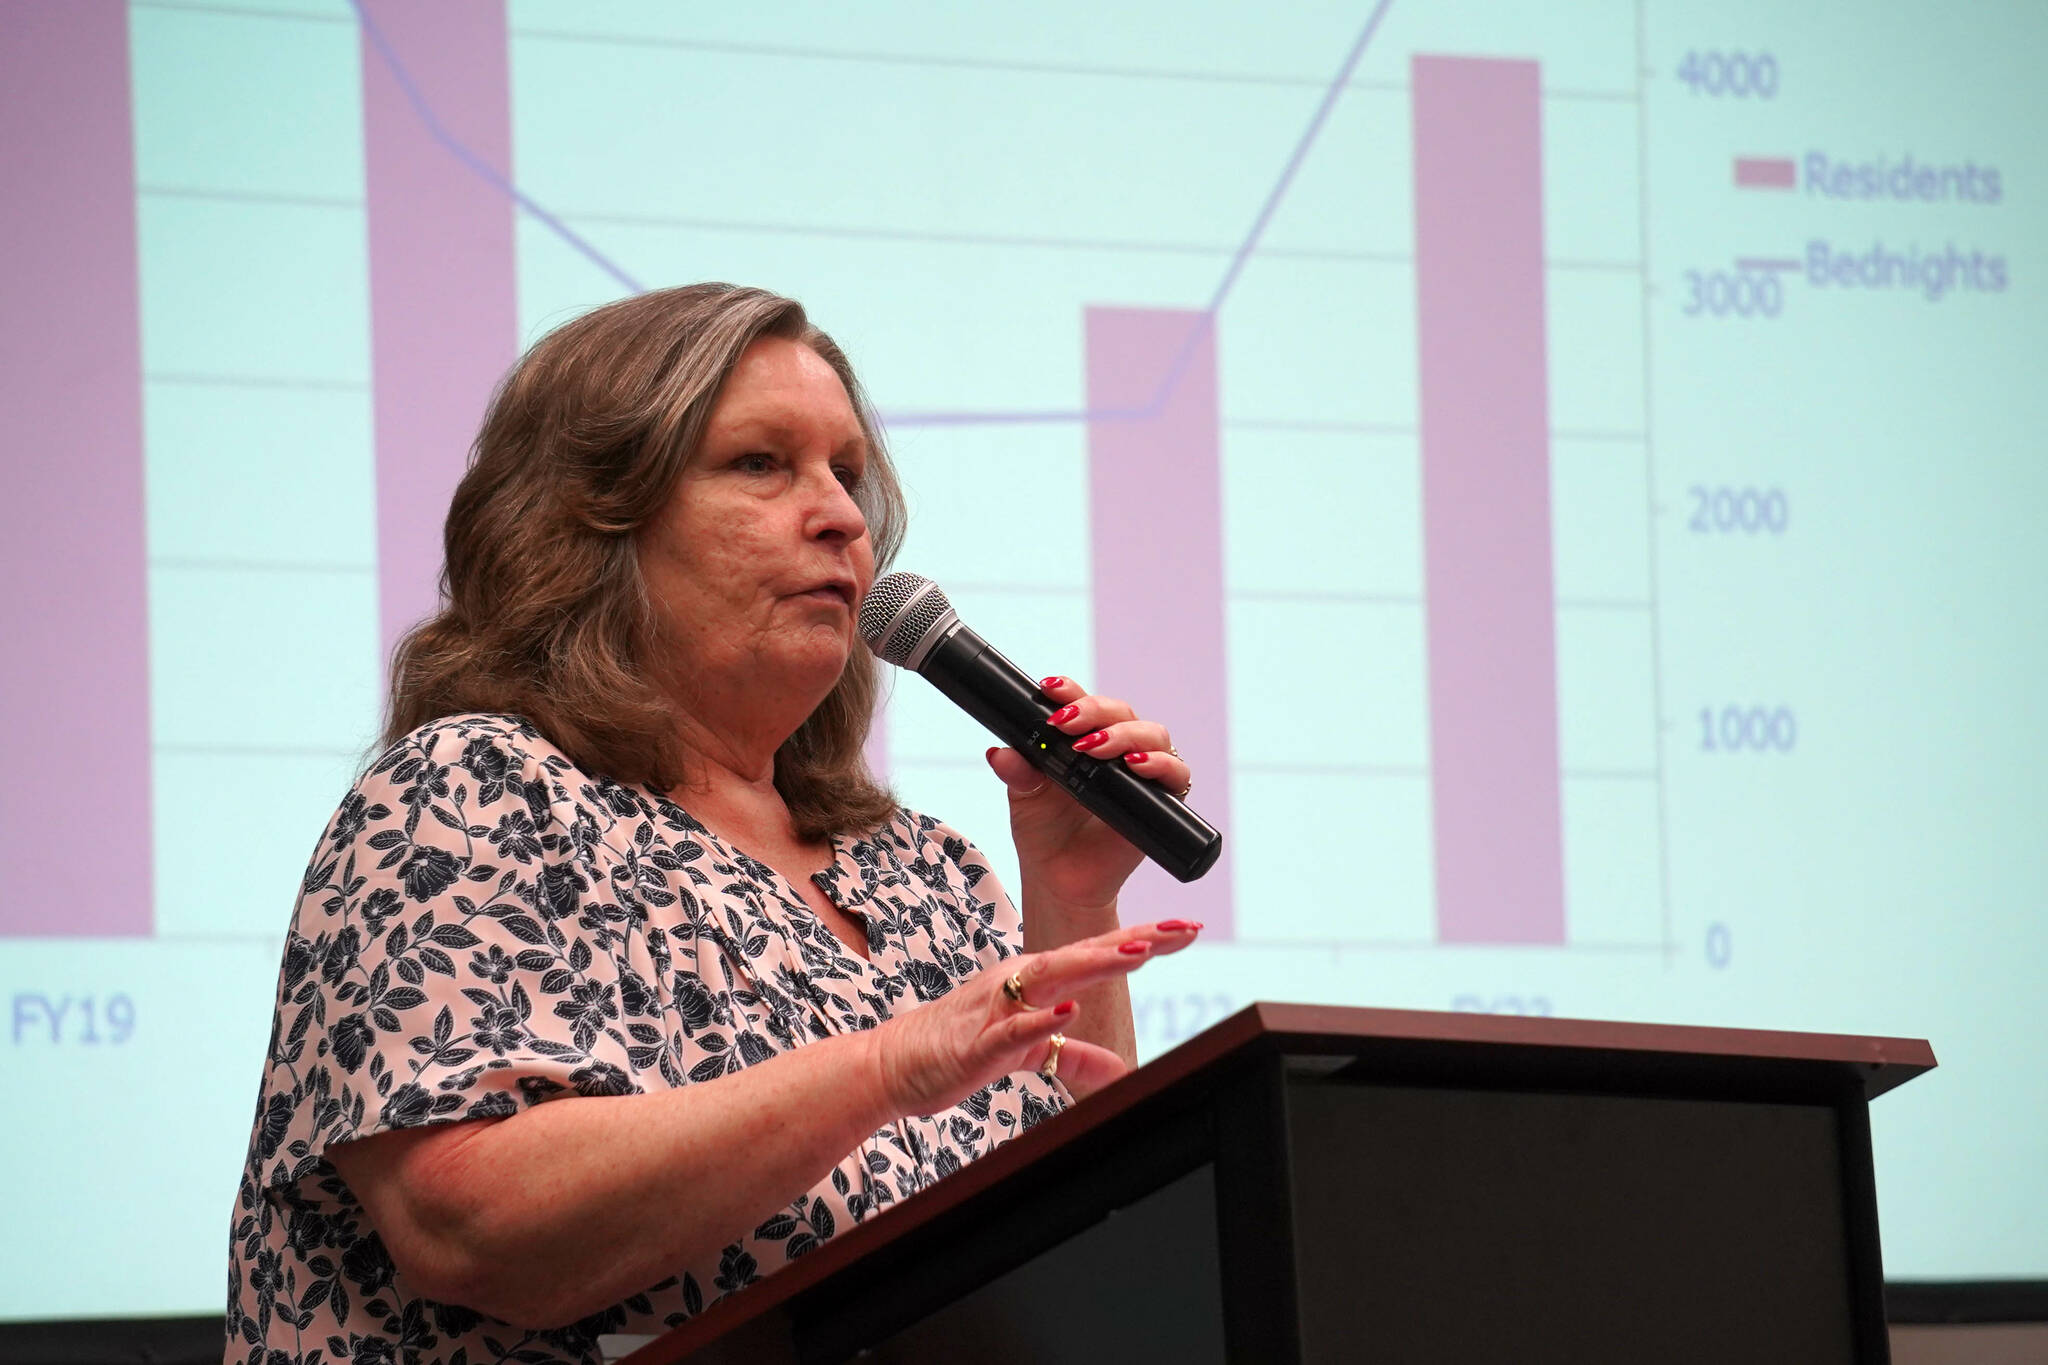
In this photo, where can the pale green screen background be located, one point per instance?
(1826, 512)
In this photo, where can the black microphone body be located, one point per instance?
(1004, 698)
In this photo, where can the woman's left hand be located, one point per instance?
(1063, 851)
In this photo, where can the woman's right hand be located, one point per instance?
(936, 1055)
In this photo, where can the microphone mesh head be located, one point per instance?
(898, 612)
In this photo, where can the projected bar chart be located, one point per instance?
(75, 822)
(1489, 596)
(1155, 503)
(1356, 389)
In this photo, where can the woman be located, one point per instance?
(616, 982)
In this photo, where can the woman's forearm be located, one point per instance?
(1105, 1016)
(570, 1206)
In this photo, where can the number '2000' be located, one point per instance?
(1748, 730)
(1722, 508)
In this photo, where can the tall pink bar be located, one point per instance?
(444, 323)
(75, 836)
(1156, 508)
(1486, 500)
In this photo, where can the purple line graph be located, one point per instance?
(475, 162)
(1202, 326)
(1199, 328)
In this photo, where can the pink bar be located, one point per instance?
(1156, 506)
(75, 835)
(876, 750)
(444, 321)
(1486, 500)
(1766, 173)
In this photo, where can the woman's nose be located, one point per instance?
(834, 515)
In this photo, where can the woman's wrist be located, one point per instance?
(1050, 921)
(873, 1106)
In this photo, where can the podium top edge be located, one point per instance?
(1884, 1062)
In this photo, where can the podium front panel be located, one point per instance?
(1454, 1225)
(1143, 1284)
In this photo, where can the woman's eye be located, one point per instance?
(849, 478)
(755, 463)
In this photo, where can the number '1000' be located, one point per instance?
(1748, 730)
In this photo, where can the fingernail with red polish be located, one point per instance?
(1134, 947)
(1063, 715)
(1173, 926)
(1090, 741)
(1050, 683)
(1064, 1010)
(1136, 756)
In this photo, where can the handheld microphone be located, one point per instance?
(907, 621)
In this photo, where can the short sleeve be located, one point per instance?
(455, 953)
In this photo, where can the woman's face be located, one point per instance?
(760, 560)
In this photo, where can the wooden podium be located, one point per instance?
(1305, 1183)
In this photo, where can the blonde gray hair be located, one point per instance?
(544, 613)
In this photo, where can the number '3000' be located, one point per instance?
(1732, 294)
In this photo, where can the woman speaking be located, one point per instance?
(617, 982)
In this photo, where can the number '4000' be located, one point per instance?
(1737, 75)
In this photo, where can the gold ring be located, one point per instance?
(1182, 794)
(1014, 988)
(1052, 1059)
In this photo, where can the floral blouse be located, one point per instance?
(485, 927)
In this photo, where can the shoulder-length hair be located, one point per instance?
(544, 614)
